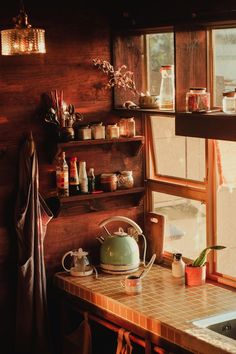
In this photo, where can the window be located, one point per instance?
(224, 56)
(160, 51)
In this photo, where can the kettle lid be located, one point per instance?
(81, 253)
(120, 232)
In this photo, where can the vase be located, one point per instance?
(195, 275)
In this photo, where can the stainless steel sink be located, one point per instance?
(224, 324)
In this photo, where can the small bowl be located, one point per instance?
(149, 101)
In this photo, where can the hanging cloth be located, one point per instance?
(123, 342)
(31, 218)
(81, 338)
(225, 161)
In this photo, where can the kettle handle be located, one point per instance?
(122, 218)
(63, 260)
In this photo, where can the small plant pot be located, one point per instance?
(195, 275)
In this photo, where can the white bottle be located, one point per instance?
(178, 266)
(83, 178)
(62, 176)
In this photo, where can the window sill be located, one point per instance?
(144, 110)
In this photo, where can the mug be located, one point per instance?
(132, 284)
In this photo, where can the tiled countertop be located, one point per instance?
(166, 307)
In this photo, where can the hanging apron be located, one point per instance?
(31, 218)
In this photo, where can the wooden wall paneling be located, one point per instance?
(74, 36)
(190, 63)
(129, 50)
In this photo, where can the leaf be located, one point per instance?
(201, 259)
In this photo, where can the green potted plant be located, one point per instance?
(195, 273)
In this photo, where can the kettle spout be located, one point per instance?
(100, 239)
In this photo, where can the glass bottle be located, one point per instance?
(62, 176)
(83, 178)
(74, 178)
(167, 90)
(91, 180)
(178, 266)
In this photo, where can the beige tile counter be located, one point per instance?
(166, 307)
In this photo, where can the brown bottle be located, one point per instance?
(74, 178)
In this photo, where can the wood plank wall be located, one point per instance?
(73, 38)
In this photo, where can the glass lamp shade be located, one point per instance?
(21, 41)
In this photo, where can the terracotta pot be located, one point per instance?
(195, 275)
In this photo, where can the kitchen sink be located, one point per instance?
(224, 324)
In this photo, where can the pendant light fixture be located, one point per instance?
(23, 39)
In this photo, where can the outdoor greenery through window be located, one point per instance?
(224, 56)
(160, 51)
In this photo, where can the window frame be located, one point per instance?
(203, 191)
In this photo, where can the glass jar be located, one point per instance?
(112, 131)
(130, 127)
(125, 180)
(197, 100)
(228, 102)
(123, 127)
(108, 182)
(167, 90)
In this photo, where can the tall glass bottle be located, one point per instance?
(83, 178)
(91, 180)
(74, 178)
(167, 90)
(62, 176)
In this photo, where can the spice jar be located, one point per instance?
(98, 131)
(108, 182)
(130, 127)
(84, 132)
(127, 127)
(228, 102)
(125, 180)
(123, 127)
(197, 100)
(112, 131)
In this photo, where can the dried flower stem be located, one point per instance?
(116, 78)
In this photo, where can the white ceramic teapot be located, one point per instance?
(81, 264)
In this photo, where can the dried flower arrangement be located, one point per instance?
(120, 78)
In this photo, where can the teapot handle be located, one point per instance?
(63, 260)
(122, 218)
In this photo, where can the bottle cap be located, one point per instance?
(177, 256)
(229, 94)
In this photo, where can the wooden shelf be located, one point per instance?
(119, 192)
(216, 125)
(78, 143)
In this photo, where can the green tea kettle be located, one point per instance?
(119, 252)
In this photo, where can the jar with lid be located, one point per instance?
(125, 180)
(197, 100)
(84, 132)
(112, 131)
(108, 182)
(167, 89)
(229, 102)
(98, 131)
(130, 127)
(123, 127)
